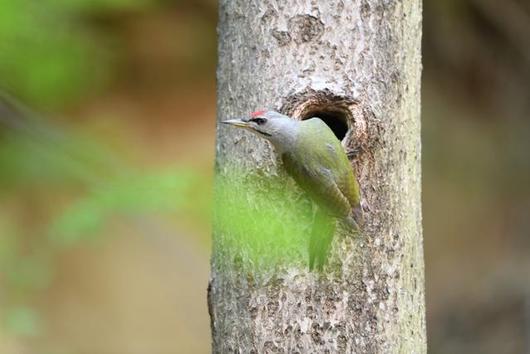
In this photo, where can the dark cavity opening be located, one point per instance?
(336, 120)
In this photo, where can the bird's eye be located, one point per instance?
(259, 121)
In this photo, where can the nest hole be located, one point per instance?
(337, 120)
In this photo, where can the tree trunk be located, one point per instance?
(356, 64)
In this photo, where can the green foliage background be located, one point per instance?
(53, 53)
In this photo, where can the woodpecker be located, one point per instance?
(313, 156)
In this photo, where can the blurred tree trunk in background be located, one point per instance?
(357, 63)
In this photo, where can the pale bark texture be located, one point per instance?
(354, 60)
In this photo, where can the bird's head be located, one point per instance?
(279, 129)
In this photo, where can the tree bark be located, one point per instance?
(358, 62)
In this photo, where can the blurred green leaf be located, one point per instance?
(278, 236)
(22, 321)
(132, 195)
(49, 53)
(99, 5)
(70, 160)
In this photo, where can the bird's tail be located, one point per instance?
(321, 237)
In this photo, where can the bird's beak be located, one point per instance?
(236, 122)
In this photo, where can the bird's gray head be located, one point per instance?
(279, 129)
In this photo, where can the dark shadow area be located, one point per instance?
(336, 120)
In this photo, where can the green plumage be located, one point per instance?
(320, 166)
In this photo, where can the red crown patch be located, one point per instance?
(257, 113)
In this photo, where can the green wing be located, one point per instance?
(320, 166)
